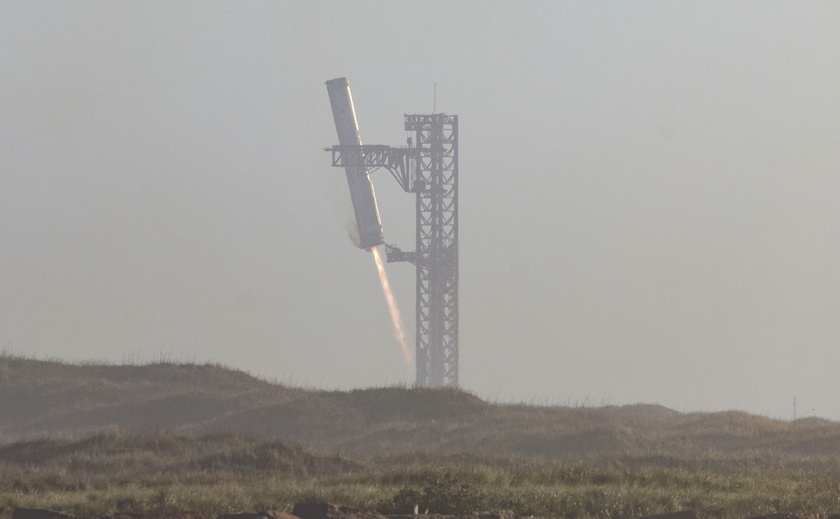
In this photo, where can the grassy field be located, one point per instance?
(218, 474)
(210, 439)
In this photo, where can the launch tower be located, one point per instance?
(427, 167)
(434, 161)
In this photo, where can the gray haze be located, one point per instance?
(649, 192)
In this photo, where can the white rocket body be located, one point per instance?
(358, 178)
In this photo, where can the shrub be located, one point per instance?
(439, 495)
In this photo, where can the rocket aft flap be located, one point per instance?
(358, 179)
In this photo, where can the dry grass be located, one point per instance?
(215, 440)
(228, 473)
(40, 398)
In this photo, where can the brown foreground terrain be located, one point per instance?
(162, 440)
(316, 510)
(39, 398)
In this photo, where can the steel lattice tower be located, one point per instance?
(436, 256)
(429, 169)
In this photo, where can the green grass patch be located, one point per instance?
(155, 472)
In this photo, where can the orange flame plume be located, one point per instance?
(399, 330)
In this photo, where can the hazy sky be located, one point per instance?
(648, 193)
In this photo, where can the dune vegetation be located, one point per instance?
(96, 439)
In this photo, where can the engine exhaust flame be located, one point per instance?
(396, 319)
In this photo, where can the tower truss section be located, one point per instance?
(435, 184)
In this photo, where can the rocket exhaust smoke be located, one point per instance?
(396, 319)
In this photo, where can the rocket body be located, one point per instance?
(358, 178)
